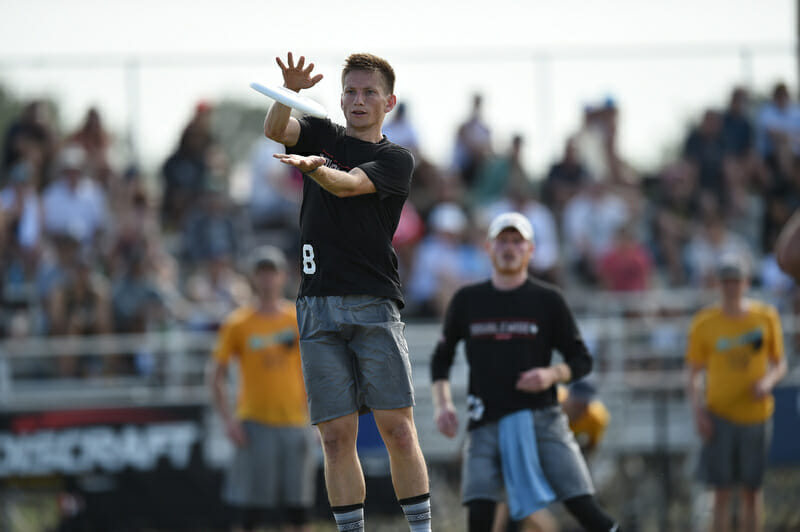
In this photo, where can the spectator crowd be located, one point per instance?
(90, 245)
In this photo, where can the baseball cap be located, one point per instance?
(511, 220)
(731, 266)
(268, 257)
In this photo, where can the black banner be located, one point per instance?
(116, 468)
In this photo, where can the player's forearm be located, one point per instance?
(337, 182)
(776, 372)
(693, 390)
(219, 393)
(442, 396)
(562, 373)
(276, 121)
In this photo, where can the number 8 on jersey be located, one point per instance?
(309, 266)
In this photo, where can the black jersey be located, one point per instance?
(347, 242)
(508, 332)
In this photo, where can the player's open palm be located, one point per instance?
(302, 163)
(295, 77)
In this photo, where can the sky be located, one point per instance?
(537, 63)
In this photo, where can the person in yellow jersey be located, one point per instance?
(737, 345)
(588, 416)
(273, 472)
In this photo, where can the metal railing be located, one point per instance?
(638, 370)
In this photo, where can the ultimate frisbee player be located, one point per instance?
(352, 344)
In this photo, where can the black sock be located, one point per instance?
(585, 509)
(480, 515)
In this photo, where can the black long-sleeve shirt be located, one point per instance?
(508, 332)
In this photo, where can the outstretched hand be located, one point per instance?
(295, 77)
(302, 163)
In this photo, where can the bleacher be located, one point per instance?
(638, 372)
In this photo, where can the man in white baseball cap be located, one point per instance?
(511, 220)
(519, 448)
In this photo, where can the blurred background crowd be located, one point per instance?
(90, 243)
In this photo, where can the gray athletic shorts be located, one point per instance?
(735, 455)
(276, 469)
(559, 453)
(355, 356)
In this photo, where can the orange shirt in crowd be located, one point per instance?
(267, 350)
(736, 352)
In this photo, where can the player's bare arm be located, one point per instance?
(279, 125)
(776, 372)
(695, 394)
(540, 379)
(444, 412)
(218, 376)
(339, 183)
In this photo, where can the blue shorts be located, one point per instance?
(355, 356)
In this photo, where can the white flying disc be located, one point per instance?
(291, 99)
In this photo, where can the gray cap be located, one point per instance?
(511, 220)
(268, 257)
(732, 266)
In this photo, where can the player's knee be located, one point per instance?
(337, 441)
(336, 448)
(400, 437)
